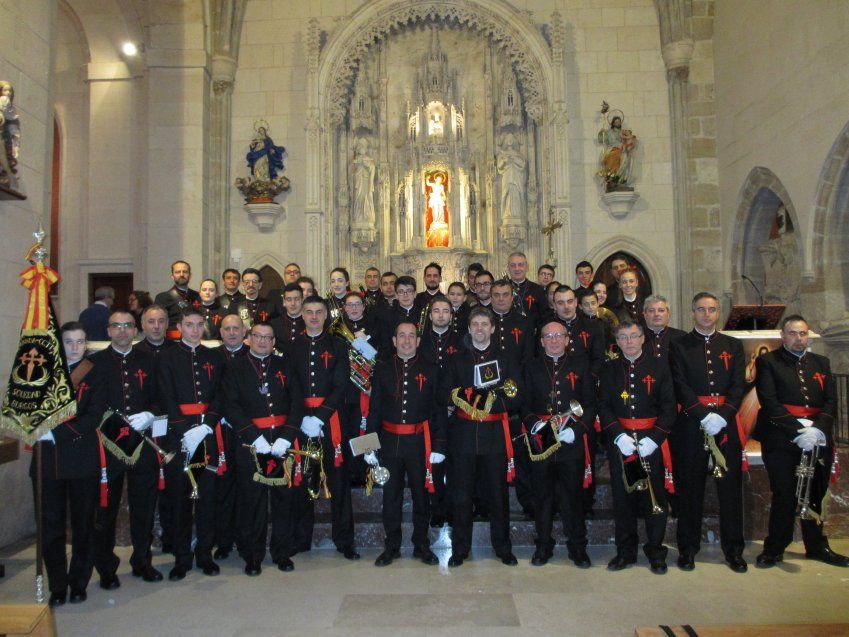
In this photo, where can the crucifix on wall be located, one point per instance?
(548, 230)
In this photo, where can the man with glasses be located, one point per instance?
(483, 287)
(406, 308)
(530, 298)
(129, 381)
(261, 409)
(552, 381)
(254, 308)
(637, 410)
(291, 273)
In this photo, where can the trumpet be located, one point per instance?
(361, 367)
(805, 478)
(187, 469)
(509, 388)
(643, 483)
(557, 422)
(420, 328)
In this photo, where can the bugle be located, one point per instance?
(556, 423)
(805, 473)
(361, 368)
(312, 468)
(643, 482)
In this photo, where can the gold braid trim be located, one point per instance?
(474, 412)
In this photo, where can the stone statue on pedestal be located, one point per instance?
(511, 167)
(362, 171)
(10, 134)
(617, 155)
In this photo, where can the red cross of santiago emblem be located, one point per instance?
(648, 381)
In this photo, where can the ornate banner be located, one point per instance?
(39, 395)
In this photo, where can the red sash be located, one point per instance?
(365, 403)
(412, 429)
(267, 422)
(335, 428)
(800, 411)
(104, 480)
(718, 401)
(198, 409)
(508, 441)
(641, 424)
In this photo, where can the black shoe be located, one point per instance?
(303, 548)
(387, 557)
(110, 582)
(657, 566)
(426, 556)
(437, 521)
(580, 558)
(736, 563)
(828, 556)
(456, 559)
(768, 560)
(686, 562)
(508, 559)
(147, 573)
(78, 595)
(286, 565)
(57, 599)
(540, 557)
(221, 553)
(349, 553)
(209, 568)
(177, 573)
(619, 562)
(253, 568)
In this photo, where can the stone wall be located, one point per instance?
(24, 61)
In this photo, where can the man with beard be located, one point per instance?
(179, 298)
(432, 280)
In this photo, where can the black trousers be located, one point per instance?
(225, 500)
(59, 498)
(141, 498)
(440, 505)
(781, 461)
(493, 487)
(588, 495)
(628, 507)
(187, 512)
(253, 501)
(690, 463)
(561, 481)
(408, 467)
(523, 480)
(351, 418)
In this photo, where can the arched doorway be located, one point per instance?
(271, 279)
(604, 272)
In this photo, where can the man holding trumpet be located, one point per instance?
(798, 401)
(260, 408)
(710, 381)
(637, 411)
(558, 412)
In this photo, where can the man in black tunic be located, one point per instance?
(178, 298)
(709, 375)
(798, 400)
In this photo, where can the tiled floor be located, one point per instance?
(327, 595)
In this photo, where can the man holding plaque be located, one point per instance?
(479, 436)
(410, 420)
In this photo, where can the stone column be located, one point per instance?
(313, 209)
(676, 57)
(216, 248)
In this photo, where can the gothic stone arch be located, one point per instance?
(333, 69)
(761, 195)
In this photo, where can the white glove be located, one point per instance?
(538, 425)
(48, 437)
(808, 438)
(194, 436)
(436, 458)
(805, 422)
(371, 458)
(364, 347)
(279, 447)
(311, 426)
(566, 435)
(713, 423)
(140, 421)
(647, 447)
(626, 444)
(261, 445)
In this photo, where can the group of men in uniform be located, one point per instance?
(496, 382)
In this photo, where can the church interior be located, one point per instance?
(448, 131)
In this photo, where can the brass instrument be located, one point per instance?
(717, 459)
(423, 319)
(361, 367)
(805, 478)
(331, 306)
(557, 422)
(643, 483)
(313, 468)
(509, 388)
